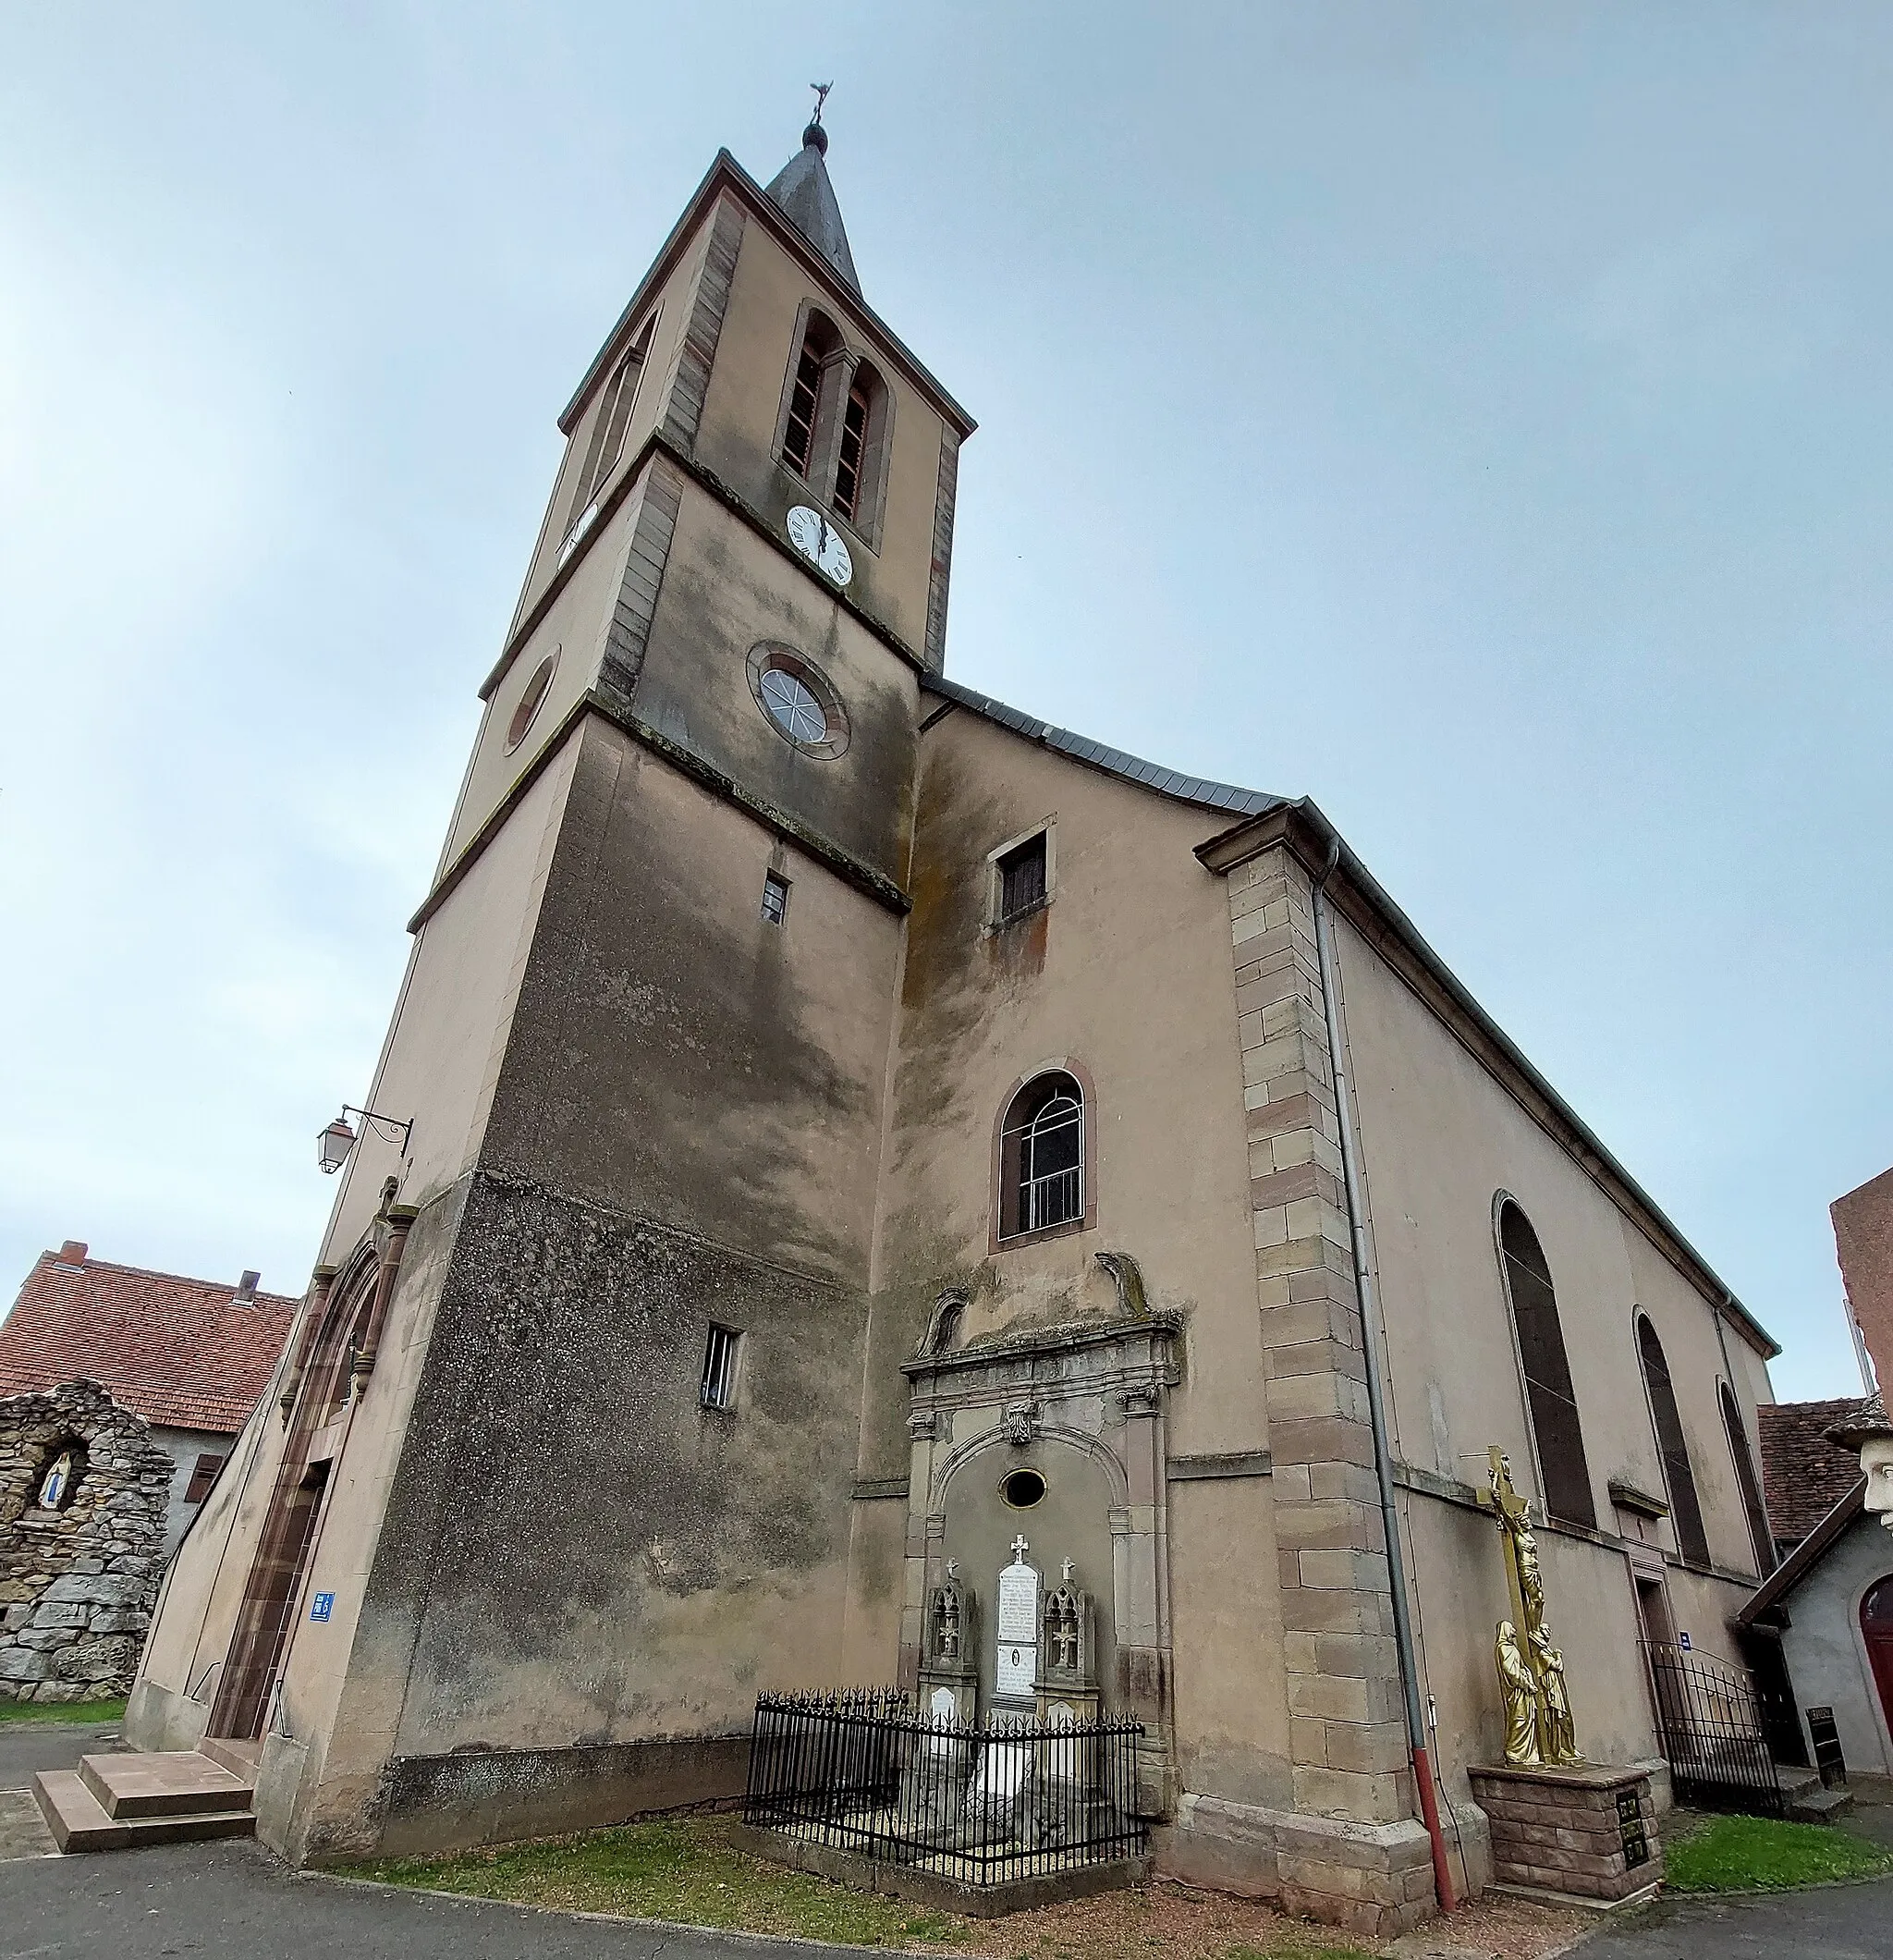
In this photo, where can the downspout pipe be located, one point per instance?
(1376, 1399)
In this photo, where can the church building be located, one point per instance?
(833, 1123)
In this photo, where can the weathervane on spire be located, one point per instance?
(816, 134)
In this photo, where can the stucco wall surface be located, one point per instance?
(184, 1447)
(1126, 977)
(676, 1056)
(725, 591)
(1126, 973)
(441, 1058)
(1826, 1653)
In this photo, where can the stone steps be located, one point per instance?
(240, 1757)
(1819, 1806)
(111, 1803)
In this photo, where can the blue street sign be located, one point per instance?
(323, 1606)
(1682, 1640)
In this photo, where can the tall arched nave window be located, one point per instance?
(1552, 1402)
(1685, 1506)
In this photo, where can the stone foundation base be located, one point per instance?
(1572, 1831)
(160, 1718)
(1373, 1879)
(932, 1890)
(499, 1797)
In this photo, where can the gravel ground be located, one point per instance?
(1178, 1922)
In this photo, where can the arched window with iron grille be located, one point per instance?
(1553, 1402)
(1041, 1157)
(1685, 1507)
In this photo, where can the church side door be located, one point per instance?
(1876, 1624)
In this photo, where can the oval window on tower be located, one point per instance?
(798, 699)
(530, 701)
(1023, 1488)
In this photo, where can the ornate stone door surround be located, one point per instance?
(1097, 1387)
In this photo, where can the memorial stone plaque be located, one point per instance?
(1016, 1660)
(1630, 1828)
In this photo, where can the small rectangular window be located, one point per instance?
(775, 897)
(201, 1478)
(1022, 878)
(718, 1391)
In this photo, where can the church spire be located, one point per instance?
(802, 189)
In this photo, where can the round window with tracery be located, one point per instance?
(803, 707)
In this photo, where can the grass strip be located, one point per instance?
(1762, 1854)
(672, 1868)
(60, 1712)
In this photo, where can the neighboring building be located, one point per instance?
(1820, 1630)
(1804, 1474)
(190, 1356)
(855, 1126)
(1864, 1244)
(1828, 1607)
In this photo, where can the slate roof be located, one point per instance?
(175, 1351)
(1803, 1474)
(1185, 788)
(801, 188)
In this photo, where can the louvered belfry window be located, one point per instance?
(799, 438)
(1551, 1400)
(608, 427)
(1685, 1507)
(854, 444)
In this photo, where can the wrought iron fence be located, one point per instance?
(1709, 1722)
(864, 1770)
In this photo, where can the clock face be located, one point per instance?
(820, 543)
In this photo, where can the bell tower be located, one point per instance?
(591, 1487)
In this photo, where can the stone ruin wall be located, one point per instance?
(78, 1584)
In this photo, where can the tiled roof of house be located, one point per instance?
(185, 1353)
(1804, 1474)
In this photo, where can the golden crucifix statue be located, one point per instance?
(1539, 1669)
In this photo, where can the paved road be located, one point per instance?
(27, 1747)
(230, 1901)
(1835, 1922)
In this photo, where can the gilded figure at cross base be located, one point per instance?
(1539, 1727)
(1518, 1687)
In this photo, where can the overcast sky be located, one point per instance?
(1478, 418)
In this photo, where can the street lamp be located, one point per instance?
(333, 1144)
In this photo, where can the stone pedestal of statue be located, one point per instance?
(1586, 1830)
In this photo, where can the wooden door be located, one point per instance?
(1877, 1623)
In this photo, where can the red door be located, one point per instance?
(1877, 1623)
